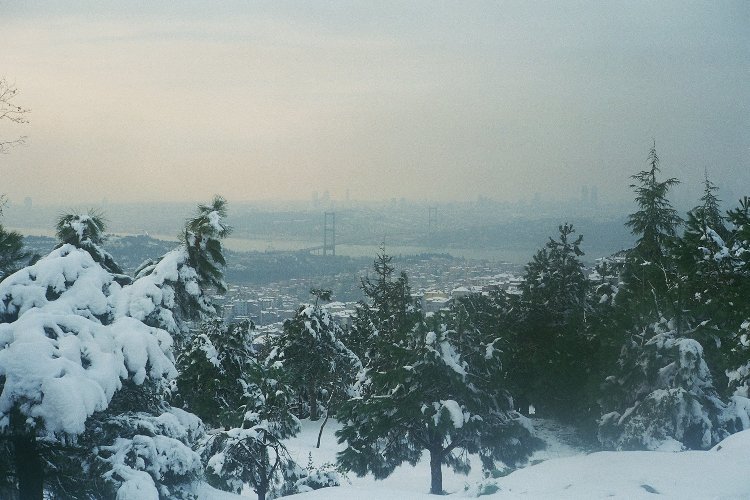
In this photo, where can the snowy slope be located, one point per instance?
(719, 473)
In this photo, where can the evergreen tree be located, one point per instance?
(254, 453)
(648, 275)
(217, 360)
(12, 254)
(662, 393)
(316, 361)
(708, 212)
(87, 233)
(655, 221)
(182, 278)
(382, 321)
(662, 396)
(735, 257)
(85, 359)
(550, 358)
(417, 394)
(705, 280)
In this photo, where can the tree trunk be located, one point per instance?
(436, 473)
(320, 432)
(262, 488)
(28, 468)
(312, 397)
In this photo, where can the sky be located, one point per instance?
(428, 100)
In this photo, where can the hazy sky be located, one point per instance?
(142, 100)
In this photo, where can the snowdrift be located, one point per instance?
(718, 473)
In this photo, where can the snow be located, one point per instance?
(635, 474)
(454, 411)
(64, 358)
(567, 473)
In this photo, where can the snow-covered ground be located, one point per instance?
(565, 472)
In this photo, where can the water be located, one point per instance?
(282, 245)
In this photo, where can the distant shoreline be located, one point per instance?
(281, 245)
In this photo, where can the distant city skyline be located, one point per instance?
(157, 101)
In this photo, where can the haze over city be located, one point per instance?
(144, 101)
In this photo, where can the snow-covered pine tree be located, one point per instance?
(736, 256)
(254, 453)
(603, 330)
(318, 365)
(180, 280)
(705, 282)
(662, 396)
(12, 254)
(87, 233)
(551, 356)
(216, 360)
(168, 294)
(648, 272)
(417, 395)
(65, 354)
(82, 375)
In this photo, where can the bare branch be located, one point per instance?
(11, 112)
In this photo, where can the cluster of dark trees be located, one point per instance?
(649, 349)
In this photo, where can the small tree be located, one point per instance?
(85, 358)
(254, 453)
(662, 396)
(315, 359)
(216, 360)
(417, 394)
(549, 353)
(648, 273)
(12, 254)
(735, 255)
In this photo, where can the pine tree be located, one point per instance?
(705, 280)
(317, 363)
(87, 233)
(648, 274)
(217, 360)
(254, 452)
(12, 254)
(662, 395)
(417, 394)
(550, 352)
(182, 278)
(709, 212)
(735, 256)
(67, 355)
(85, 360)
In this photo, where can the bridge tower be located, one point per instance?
(329, 233)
